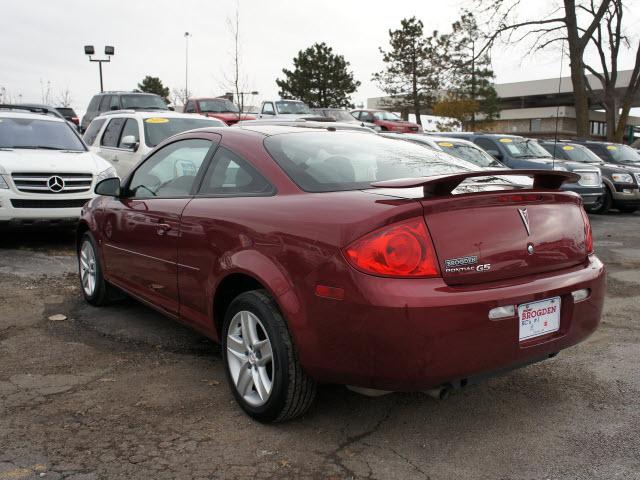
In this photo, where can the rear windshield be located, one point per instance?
(142, 102)
(343, 160)
(297, 108)
(41, 134)
(67, 112)
(157, 129)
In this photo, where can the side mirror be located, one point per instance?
(129, 141)
(109, 187)
(495, 154)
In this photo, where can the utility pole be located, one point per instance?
(473, 83)
(186, 66)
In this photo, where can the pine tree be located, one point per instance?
(320, 78)
(151, 84)
(414, 67)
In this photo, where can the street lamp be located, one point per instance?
(186, 66)
(108, 51)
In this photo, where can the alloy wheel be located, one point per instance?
(250, 358)
(88, 268)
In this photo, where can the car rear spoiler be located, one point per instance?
(441, 185)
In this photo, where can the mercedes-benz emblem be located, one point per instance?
(55, 184)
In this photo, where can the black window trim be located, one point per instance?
(215, 142)
(251, 166)
(126, 119)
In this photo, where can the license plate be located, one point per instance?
(539, 318)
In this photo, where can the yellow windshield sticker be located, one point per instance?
(567, 147)
(505, 140)
(157, 120)
(445, 144)
(611, 147)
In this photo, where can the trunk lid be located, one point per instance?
(484, 237)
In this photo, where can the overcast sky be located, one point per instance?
(41, 41)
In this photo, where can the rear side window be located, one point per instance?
(229, 174)
(344, 160)
(92, 132)
(93, 105)
(112, 133)
(104, 103)
(486, 144)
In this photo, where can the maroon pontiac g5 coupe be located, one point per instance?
(344, 257)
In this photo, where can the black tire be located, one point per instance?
(627, 209)
(292, 390)
(103, 293)
(605, 203)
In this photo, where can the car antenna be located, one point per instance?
(555, 137)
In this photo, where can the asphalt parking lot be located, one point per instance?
(121, 392)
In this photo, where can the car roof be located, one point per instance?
(7, 113)
(302, 123)
(269, 130)
(460, 141)
(152, 114)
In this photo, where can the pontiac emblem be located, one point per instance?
(525, 219)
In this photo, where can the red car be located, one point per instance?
(387, 121)
(343, 257)
(220, 108)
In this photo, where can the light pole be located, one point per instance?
(108, 51)
(186, 66)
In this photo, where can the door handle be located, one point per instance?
(163, 228)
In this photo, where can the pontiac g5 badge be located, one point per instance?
(525, 219)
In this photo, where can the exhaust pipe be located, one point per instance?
(440, 393)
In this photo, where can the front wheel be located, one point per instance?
(95, 288)
(261, 361)
(603, 205)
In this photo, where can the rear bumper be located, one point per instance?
(405, 335)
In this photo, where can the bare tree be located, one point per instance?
(64, 98)
(180, 96)
(46, 95)
(608, 40)
(560, 24)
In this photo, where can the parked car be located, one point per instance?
(286, 110)
(108, 101)
(387, 121)
(620, 181)
(60, 112)
(463, 150)
(522, 153)
(116, 136)
(220, 108)
(343, 257)
(330, 124)
(46, 171)
(343, 115)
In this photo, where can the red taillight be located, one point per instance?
(404, 249)
(588, 234)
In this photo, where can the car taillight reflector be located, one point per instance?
(588, 234)
(518, 198)
(404, 249)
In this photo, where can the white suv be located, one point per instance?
(46, 171)
(115, 136)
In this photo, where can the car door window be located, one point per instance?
(356, 115)
(229, 174)
(112, 133)
(366, 117)
(114, 104)
(486, 144)
(190, 108)
(130, 129)
(268, 108)
(104, 103)
(171, 171)
(92, 132)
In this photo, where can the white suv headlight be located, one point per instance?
(3, 183)
(622, 178)
(589, 178)
(108, 173)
